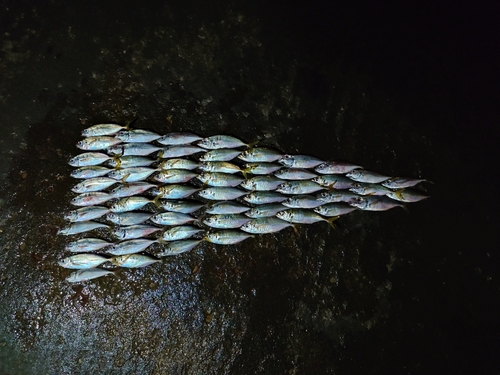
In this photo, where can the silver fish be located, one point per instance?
(263, 197)
(82, 261)
(97, 143)
(133, 174)
(93, 184)
(90, 172)
(294, 174)
(178, 138)
(81, 227)
(407, 195)
(402, 182)
(172, 218)
(174, 176)
(178, 247)
(362, 175)
(261, 168)
(227, 207)
(300, 161)
(262, 183)
(131, 189)
(133, 149)
(221, 141)
(180, 233)
(334, 209)
(182, 206)
(260, 154)
(174, 191)
(302, 201)
(335, 196)
(374, 203)
(87, 244)
(137, 135)
(88, 274)
(265, 225)
(222, 154)
(219, 166)
(226, 221)
(86, 213)
(102, 129)
(91, 199)
(227, 237)
(88, 159)
(265, 210)
(220, 179)
(133, 260)
(336, 167)
(134, 231)
(303, 216)
(178, 164)
(298, 187)
(130, 161)
(130, 247)
(128, 218)
(334, 181)
(179, 151)
(131, 204)
(369, 189)
(221, 193)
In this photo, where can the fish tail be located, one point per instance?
(244, 173)
(127, 125)
(253, 144)
(118, 161)
(331, 220)
(405, 207)
(124, 179)
(156, 200)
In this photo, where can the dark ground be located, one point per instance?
(408, 90)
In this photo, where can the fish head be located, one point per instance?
(244, 155)
(284, 215)
(206, 143)
(70, 216)
(286, 160)
(283, 188)
(247, 184)
(119, 233)
(81, 145)
(114, 218)
(206, 193)
(116, 150)
(357, 188)
(322, 167)
(74, 162)
(318, 180)
(124, 135)
(354, 174)
(114, 174)
(359, 202)
(66, 262)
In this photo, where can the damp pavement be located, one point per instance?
(387, 292)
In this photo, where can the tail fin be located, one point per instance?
(331, 220)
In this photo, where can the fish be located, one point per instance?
(221, 193)
(134, 231)
(374, 203)
(133, 149)
(91, 199)
(177, 163)
(226, 221)
(334, 196)
(180, 233)
(222, 141)
(219, 166)
(397, 183)
(130, 246)
(221, 154)
(174, 176)
(303, 216)
(178, 247)
(93, 184)
(86, 213)
(299, 187)
(172, 218)
(302, 201)
(137, 135)
(265, 225)
(128, 218)
(227, 237)
(130, 189)
(261, 168)
(369, 189)
(82, 261)
(178, 138)
(260, 154)
(294, 174)
(131, 204)
(182, 206)
(133, 174)
(174, 191)
(336, 167)
(133, 260)
(407, 195)
(129, 161)
(179, 151)
(81, 227)
(227, 207)
(87, 244)
(265, 210)
(87, 274)
(102, 129)
(334, 209)
(362, 175)
(263, 197)
(220, 179)
(97, 143)
(300, 161)
(90, 172)
(88, 159)
(261, 183)
(334, 181)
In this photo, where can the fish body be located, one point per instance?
(227, 207)
(335, 196)
(132, 149)
(259, 168)
(227, 237)
(130, 204)
(265, 210)
(97, 143)
(130, 246)
(265, 225)
(407, 195)
(86, 213)
(174, 191)
(178, 138)
(336, 167)
(221, 193)
(220, 179)
(300, 161)
(81, 227)
(180, 233)
(134, 231)
(87, 274)
(222, 154)
(88, 159)
(174, 176)
(260, 154)
(172, 218)
(362, 175)
(82, 261)
(263, 197)
(302, 216)
(128, 218)
(221, 141)
(374, 203)
(334, 209)
(102, 129)
(334, 181)
(133, 260)
(226, 221)
(91, 199)
(369, 189)
(130, 161)
(178, 164)
(182, 206)
(299, 187)
(178, 247)
(137, 135)
(302, 201)
(90, 172)
(261, 183)
(219, 166)
(131, 189)
(87, 244)
(294, 174)
(93, 184)
(397, 183)
(179, 151)
(133, 174)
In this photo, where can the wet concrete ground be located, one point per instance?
(386, 292)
